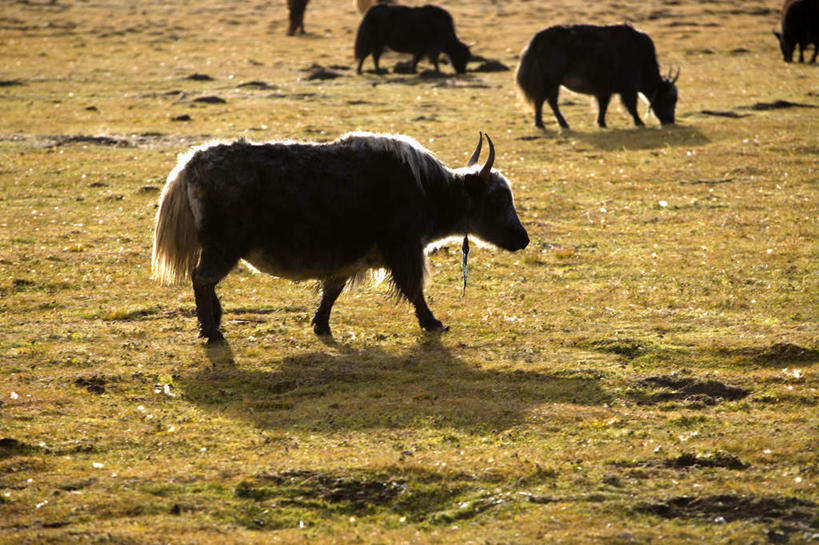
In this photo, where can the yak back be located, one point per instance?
(597, 59)
(800, 22)
(405, 29)
(313, 210)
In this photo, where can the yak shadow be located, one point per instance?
(641, 138)
(347, 388)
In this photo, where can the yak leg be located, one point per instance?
(602, 106)
(213, 266)
(406, 264)
(815, 50)
(414, 63)
(801, 52)
(630, 102)
(433, 57)
(376, 56)
(331, 288)
(539, 113)
(552, 100)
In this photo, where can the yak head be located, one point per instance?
(785, 46)
(664, 101)
(459, 55)
(491, 212)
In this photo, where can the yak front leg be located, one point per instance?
(630, 102)
(602, 106)
(407, 266)
(331, 288)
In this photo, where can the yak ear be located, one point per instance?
(486, 171)
(477, 152)
(778, 35)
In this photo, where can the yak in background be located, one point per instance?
(323, 211)
(599, 61)
(422, 31)
(799, 26)
(296, 9)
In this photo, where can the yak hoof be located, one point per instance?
(214, 338)
(435, 327)
(322, 330)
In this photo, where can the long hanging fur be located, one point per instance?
(529, 76)
(176, 244)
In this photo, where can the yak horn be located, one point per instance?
(487, 167)
(676, 76)
(477, 152)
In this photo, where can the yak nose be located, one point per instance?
(523, 241)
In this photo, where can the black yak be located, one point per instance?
(323, 211)
(296, 9)
(800, 26)
(423, 31)
(599, 61)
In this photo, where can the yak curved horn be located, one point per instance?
(487, 167)
(477, 152)
(676, 77)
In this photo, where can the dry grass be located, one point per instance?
(657, 341)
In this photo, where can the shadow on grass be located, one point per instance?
(640, 138)
(351, 389)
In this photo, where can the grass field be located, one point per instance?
(646, 371)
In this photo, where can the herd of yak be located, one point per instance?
(333, 211)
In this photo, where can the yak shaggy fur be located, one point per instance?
(323, 211)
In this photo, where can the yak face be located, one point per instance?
(459, 55)
(491, 214)
(664, 101)
(785, 46)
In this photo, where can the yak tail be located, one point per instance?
(367, 31)
(176, 244)
(529, 76)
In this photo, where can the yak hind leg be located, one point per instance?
(552, 100)
(331, 288)
(815, 50)
(376, 56)
(629, 100)
(213, 266)
(539, 113)
(602, 106)
(406, 264)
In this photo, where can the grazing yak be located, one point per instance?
(800, 26)
(423, 31)
(363, 5)
(323, 211)
(296, 8)
(599, 61)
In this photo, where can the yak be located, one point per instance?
(599, 61)
(422, 31)
(296, 9)
(800, 26)
(324, 211)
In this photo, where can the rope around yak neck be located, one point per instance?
(464, 261)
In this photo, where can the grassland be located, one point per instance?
(644, 372)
